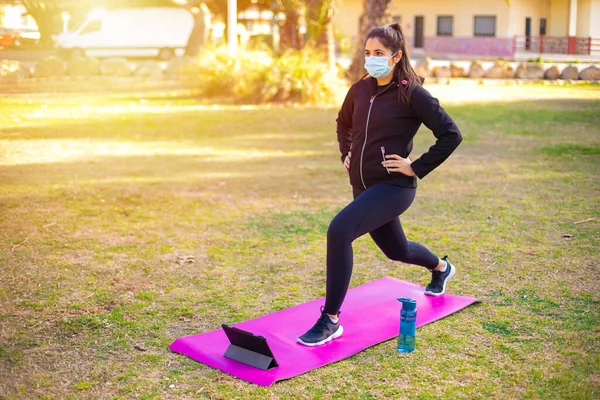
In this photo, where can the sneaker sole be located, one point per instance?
(450, 275)
(335, 335)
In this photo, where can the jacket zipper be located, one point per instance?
(366, 134)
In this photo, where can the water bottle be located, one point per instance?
(408, 325)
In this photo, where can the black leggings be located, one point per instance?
(374, 211)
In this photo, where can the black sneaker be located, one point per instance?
(437, 286)
(322, 332)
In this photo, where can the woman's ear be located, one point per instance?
(397, 57)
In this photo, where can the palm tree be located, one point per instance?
(375, 13)
(290, 37)
(318, 18)
(319, 15)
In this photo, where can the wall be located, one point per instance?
(559, 18)
(463, 11)
(347, 16)
(584, 8)
(534, 9)
(485, 47)
(595, 19)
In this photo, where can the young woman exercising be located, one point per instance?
(375, 128)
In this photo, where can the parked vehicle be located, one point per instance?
(160, 32)
(8, 37)
(18, 37)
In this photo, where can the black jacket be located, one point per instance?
(372, 118)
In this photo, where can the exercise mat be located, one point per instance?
(370, 315)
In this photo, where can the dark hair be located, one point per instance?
(392, 37)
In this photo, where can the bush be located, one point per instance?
(300, 76)
(49, 67)
(256, 76)
(11, 70)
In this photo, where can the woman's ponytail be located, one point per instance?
(396, 26)
(406, 75)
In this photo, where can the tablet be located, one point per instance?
(249, 348)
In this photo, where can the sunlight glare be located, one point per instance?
(21, 152)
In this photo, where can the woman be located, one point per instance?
(375, 127)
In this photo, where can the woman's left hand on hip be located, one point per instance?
(395, 163)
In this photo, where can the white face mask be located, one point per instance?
(378, 67)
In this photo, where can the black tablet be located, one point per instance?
(249, 348)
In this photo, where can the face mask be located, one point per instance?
(378, 67)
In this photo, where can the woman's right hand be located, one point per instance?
(347, 161)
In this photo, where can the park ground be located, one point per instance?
(127, 221)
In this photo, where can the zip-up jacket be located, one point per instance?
(371, 119)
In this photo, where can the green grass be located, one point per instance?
(103, 198)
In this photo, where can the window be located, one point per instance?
(445, 25)
(419, 32)
(92, 26)
(542, 26)
(485, 26)
(527, 33)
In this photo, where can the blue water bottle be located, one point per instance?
(408, 325)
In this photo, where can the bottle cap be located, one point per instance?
(408, 304)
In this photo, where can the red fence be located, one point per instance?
(557, 45)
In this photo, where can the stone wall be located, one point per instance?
(503, 70)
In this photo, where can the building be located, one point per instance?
(491, 28)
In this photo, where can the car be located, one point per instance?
(28, 37)
(18, 37)
(8, 37)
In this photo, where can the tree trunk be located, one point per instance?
(375, 13)
(46, 31)
(44, 16)
(198, 35)
(290, 37)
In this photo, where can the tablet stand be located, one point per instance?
(249, 349)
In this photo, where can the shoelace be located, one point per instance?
(320, 325)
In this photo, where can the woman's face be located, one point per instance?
(373, 47)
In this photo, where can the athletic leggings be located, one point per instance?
(374, 211)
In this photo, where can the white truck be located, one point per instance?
(161, 32)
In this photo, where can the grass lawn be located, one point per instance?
(102, 198)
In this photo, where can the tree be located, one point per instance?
(290, 37)
(46, 14)
(375, 13)
(319, 16)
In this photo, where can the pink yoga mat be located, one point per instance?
(370, 315)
